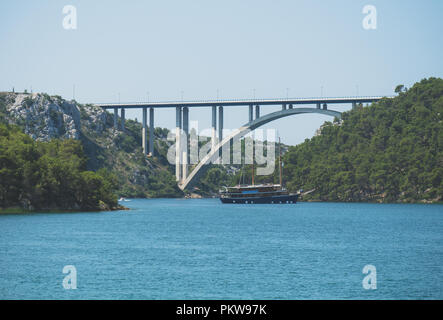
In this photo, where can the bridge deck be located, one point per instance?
(238, 102)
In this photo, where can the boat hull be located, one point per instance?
(280, 199)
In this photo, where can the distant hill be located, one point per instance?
(45, 118)
(391, 151)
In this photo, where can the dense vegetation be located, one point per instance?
(121, 153)
(391, 151)
(50, 175)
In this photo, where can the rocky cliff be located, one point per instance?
(44, 117)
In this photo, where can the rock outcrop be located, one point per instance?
(44, 117)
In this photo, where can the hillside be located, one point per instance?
(45, 118)
(37, 175)
(391, 151)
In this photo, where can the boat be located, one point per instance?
(262, 193)
(259, 193)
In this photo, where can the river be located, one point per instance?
(202, 249)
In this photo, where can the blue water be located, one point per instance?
(201, 249)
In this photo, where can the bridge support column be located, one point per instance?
(283, 107)
(144, 132)
(291, 106)
(151, 132)
(257, 111)
(185, 142)
(214, 127)
(325, 106)
(185, 166)
(220, 123)
(251, 113)
(220, 128)
(318, 106)
(354, 105)
(123, 119)
(178, 127)
(116, 118)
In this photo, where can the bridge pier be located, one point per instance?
(123, 119)
(214, 127)
(283, 107)
(144, 132)
(178, 127)
(257, 111)
(184, 167)
(251, 113)
(291, 106)
(185, 142)
(116, 118)
(318, 106)
(325, 106)
(220, 123)
(354, 105)
(151, 132)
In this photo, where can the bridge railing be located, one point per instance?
(242, 100)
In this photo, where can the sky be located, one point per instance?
(131, 51)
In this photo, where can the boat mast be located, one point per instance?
(279, 160)
(253, 158)
(241, 174)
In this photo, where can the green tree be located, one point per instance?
(399, 88)
(391, 151)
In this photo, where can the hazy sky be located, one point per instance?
(198, 47)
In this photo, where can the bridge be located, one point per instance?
(289, 107)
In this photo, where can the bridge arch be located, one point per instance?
(202, 166)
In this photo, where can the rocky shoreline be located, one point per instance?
(18, 210)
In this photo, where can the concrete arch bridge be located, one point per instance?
(289, 107)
